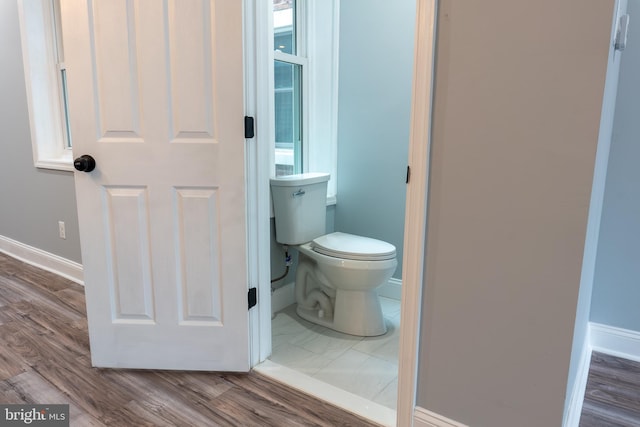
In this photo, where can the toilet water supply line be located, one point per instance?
(287, 263)
(314, 298)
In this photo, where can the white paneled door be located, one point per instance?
(155, 96)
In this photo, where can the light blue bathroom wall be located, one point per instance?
(374, 107)
(616, 289)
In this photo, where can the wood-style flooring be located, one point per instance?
(612, 397)
(44, 359)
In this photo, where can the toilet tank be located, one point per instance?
(300, 207)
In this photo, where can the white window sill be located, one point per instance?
(62, 163)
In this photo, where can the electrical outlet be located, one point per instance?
(61, 231)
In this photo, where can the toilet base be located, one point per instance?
(355, 312)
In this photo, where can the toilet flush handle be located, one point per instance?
(298, 193)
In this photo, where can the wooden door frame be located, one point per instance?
(416, 211)
(257, 78)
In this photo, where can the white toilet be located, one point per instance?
(338, 273)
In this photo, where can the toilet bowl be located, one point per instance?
(338, 273)
(337, 279)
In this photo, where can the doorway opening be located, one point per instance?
(375, 68)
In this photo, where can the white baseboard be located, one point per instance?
(579, 386)
(282, 297)
(606, 339)
(618, 342)
(47, 261)
(393, 289)
(425, 418)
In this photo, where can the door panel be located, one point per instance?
(128, 254)
(192, 63)
(197, 223)
(162, 217)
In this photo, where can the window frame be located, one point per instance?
(304, 107)
(41, 46)
(317, 26)
(299, 58)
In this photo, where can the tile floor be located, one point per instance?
(367, 367)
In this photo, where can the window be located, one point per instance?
(61, 74)
(304, 55)
(289, 74)
(45, 79)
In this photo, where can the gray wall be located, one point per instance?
(518, 97)
(615, 290)
(33, 200)
(374, 107)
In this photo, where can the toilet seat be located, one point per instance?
(352, 247)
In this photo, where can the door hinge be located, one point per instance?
(408, 174)
(249, 129)
(253, 297)
(621, 33)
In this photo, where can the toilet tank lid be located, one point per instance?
(300, 179)
(350, 246)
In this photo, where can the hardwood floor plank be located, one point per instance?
(239, 406)
(4, 316)
(87, 387)
(272, 413)
(595, 414)
(85, 420)
(160, 412)
(615, 369)
(612, 396)
(42, 297)
(11, 365)
(44, 358)
(17, 338)
(35, 276)
(195, 386)
(318, 413)
(7, 293)
(9, 396)
(69, 330)
(124, 416)
(194, 390)
(621, 396)
(37, 390)
(166, 391)
(73, 297)
(35, 343)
